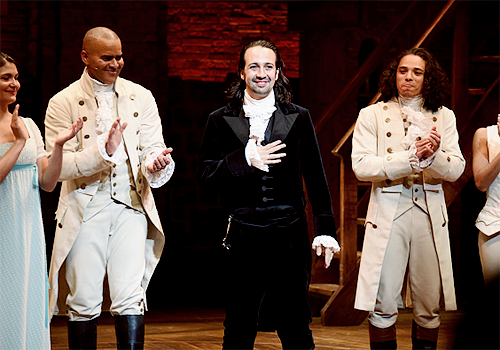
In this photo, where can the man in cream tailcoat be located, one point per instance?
(107, 222)
(407, 146)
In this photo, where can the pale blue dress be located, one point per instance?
(24, 322)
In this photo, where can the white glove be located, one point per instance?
(330, 246)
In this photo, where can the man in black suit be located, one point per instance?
(256, 150)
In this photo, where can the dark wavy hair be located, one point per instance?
(436, 84)
(236, 91)
(4, 58)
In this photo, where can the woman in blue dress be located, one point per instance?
(24, 322)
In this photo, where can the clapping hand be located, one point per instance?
(161, 161)
(69, 133)
(115, 136)
(429, 145)
(20, 132)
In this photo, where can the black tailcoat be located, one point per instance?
(267, 269)
(222, 164)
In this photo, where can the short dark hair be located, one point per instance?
(4, 58)
(282, 89)
(436, 84)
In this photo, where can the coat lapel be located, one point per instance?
(240, 126)
(282, 124)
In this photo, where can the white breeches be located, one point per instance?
(410, 244)
(110, 243)
(489, 253)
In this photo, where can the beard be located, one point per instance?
(261, 90)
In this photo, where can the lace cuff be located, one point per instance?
(416, 164)
(252, 156)
(327, 242)
(158, 178)
(118, 158)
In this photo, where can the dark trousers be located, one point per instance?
(266, 284)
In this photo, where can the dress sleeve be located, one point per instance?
(37, 135)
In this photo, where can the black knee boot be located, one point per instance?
(423, 338)
(382, 338)
(129, 332)
(82, 334)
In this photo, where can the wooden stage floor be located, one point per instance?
(184, 329)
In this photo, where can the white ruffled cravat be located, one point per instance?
(104, 94)
(258, 112)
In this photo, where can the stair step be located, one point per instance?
(326, 289)
(477, 91)
(486, 59)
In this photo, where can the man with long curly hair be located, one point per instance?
(407, 145)
(268, 254)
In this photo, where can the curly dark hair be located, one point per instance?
(4, 58)
(436, 84)
(236, 91)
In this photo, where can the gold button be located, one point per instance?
(404, 120)
(83, 186)
(84, 119)
(114, 184)
(81, 103)
(387, 120)
(389, 134)
(132, 97)
(386, 108)
(114, 193)
(419, 138)
(86, 136)
(114, 174)
(448, 159)
(389, 150)
(136, 114)
(434, 119)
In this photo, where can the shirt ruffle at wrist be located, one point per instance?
(118, 158)
(253, 157)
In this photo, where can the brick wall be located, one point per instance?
(205, 38)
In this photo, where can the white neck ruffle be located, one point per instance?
(259, 112)
(104, 114)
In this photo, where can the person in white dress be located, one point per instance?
(486, 169)
(24, 168)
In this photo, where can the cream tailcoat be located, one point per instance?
(83, 164)
(378, 157)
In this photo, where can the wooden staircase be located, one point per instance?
(473, 55)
